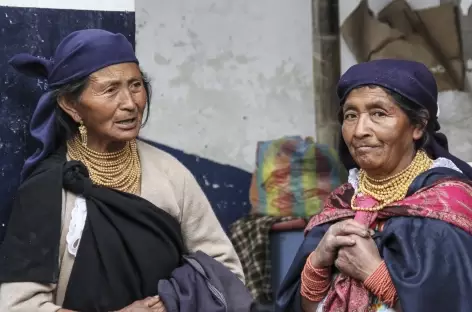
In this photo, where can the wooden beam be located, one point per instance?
(326, 68)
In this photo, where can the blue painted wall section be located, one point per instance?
(226, 187)
(35, 31)
(39, 31)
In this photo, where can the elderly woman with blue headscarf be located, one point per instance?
(100, 217)
(398, 235)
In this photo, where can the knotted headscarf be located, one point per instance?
(79, 54)
(410, 79)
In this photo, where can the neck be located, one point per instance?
(105, 146)
(402, 165)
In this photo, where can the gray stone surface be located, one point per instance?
(456, 122)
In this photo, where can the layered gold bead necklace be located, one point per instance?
(394, 188)
(119, 170)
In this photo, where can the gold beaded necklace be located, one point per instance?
(119, 170)
(394, 188)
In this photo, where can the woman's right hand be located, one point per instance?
(336, 237)
(149, 304)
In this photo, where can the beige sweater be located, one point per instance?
(167, 184)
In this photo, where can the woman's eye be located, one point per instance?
(136, 84)
(136, 87)
(379, 114)
(349, 116)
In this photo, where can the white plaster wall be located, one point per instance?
(227, 74)
(455, 107)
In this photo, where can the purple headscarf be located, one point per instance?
(79, 54)
(412, 80)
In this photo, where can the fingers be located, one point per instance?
(159, 307)
(152, 301)
(341, 241)
(349, 227)
(339, 263)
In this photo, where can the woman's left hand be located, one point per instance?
(360, 260)
(159, 306)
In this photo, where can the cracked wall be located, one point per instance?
(226, 74)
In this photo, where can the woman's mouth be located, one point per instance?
(127, 124)
(364, 149)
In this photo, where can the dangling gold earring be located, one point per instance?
(83, 133)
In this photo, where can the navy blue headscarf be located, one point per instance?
(410, 79)
(79, 54)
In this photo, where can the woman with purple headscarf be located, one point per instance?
(398, 235)
(100, 217)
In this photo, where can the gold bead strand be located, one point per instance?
(394, 188)
(119, 170)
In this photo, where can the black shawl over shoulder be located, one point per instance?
(127, 245)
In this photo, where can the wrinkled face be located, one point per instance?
(377, 132)
(112, 105)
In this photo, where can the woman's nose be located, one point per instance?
(362, 128)
(127, 101)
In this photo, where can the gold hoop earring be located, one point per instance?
(83, 133)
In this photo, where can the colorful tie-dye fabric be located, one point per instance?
(293, 176)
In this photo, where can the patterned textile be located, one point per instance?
(250, 237)
(293, 176)
(446, 200)
(375, 304)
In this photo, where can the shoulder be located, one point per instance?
(449, 190)
(457, 193)
(160, 159)
(454, 183)
(426, 231)
(336, 206)
(155, 153)
(340, 197)
(158, 165)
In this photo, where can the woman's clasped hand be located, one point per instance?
(348, 245)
